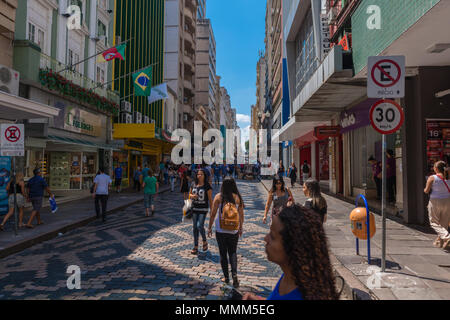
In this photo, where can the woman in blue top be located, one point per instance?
(297, 243)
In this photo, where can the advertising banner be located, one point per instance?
(5, 174)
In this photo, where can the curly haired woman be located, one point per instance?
(297, 243)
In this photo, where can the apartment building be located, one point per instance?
(71, 146)
(179, 56)
(206, 70)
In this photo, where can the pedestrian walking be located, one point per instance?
(305, 171)
(102, 183)
(185, 185)
(36, 187)
(298, 244)
(145, 172)
(166, 173)
(293, 174)
(172, 177)
(217, 173)
(376, 175)
(137, 179)
(390, 175)
(20, 199)
(229, 226)
(280, 196)
(118, 171)
(438, 187)
(151, 188)
(201, 195)
(161, 171)
(315, 201)
(281, 169)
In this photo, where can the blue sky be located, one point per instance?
(239, 27)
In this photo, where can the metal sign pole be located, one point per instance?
(383, 205)
(15, 196)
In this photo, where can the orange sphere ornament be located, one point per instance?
(358, 218)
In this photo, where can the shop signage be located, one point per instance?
(386, 116)
(77, 120)
(12, 140)
(356, 117)
(325, 35)
(324, 132)
(386, 77)
(134, 131)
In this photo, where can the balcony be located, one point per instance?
(191, 5)
(189, 37)
(29, 60)
(188, 59)
(188, 85)
(188, 13)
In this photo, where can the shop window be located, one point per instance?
(89, 169)
(59, 172)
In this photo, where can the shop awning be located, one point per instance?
(16, 108)
(66, 140)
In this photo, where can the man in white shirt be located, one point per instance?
(102, 184)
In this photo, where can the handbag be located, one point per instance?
(187, 209)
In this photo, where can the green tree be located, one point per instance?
(247, 145)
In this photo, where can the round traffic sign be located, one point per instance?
(12, 134)
(387, 79)
(386, 116)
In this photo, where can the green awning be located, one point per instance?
(81, 142)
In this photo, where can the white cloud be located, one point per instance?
(243, 118)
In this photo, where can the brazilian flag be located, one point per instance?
(143, 82)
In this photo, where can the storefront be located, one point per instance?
(74, 148)
(438, 142)
(360, 142)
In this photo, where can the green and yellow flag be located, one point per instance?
(143, 82)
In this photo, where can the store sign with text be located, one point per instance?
(75, 119)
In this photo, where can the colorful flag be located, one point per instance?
(113, 53)
(143, 82)
(158, 93)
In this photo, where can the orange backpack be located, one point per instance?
(229, 218)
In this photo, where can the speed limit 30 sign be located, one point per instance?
(386, 116)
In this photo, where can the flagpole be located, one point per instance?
(122, 99)
(101, 85)
(82, 61)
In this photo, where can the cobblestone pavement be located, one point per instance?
(134, 257)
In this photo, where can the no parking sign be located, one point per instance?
(386, 77)
(12, 140)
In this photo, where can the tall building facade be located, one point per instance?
(7, 26)
(206, 70)
(201, 9)
(328, 88)
(179, 56)
(72, 145)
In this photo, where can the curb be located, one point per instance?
(54, 233)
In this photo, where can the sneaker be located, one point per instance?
(235, 281)
(438, 243)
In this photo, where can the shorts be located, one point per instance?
(37, 203)
(148, 200)
(20, 201)
(118, 182)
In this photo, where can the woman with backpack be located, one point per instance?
(201, 195)
(315, 201)
(280, 196)
(438, 186)
(229, 222)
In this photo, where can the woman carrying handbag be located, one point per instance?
(438, 186)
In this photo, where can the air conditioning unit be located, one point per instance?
(137, 117)
(125, 106)
(9, 80)
(332, 15)
(126, 118)
(146, 119)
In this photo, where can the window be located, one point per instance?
(31, 32)
(100, 75)
(40, 40)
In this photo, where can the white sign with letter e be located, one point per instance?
(12, 140)
(386, 77)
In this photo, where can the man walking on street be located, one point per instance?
(151, 187)
(305, 171)
(102, 183)
(118, 178)
(36, 187)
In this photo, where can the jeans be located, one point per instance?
(217, 179)
(103, 199)
(172, 183)
(227, 248)
(137, 185)
(166, 178)
(379, 187)
(198, 220)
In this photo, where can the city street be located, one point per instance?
(133, 257)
